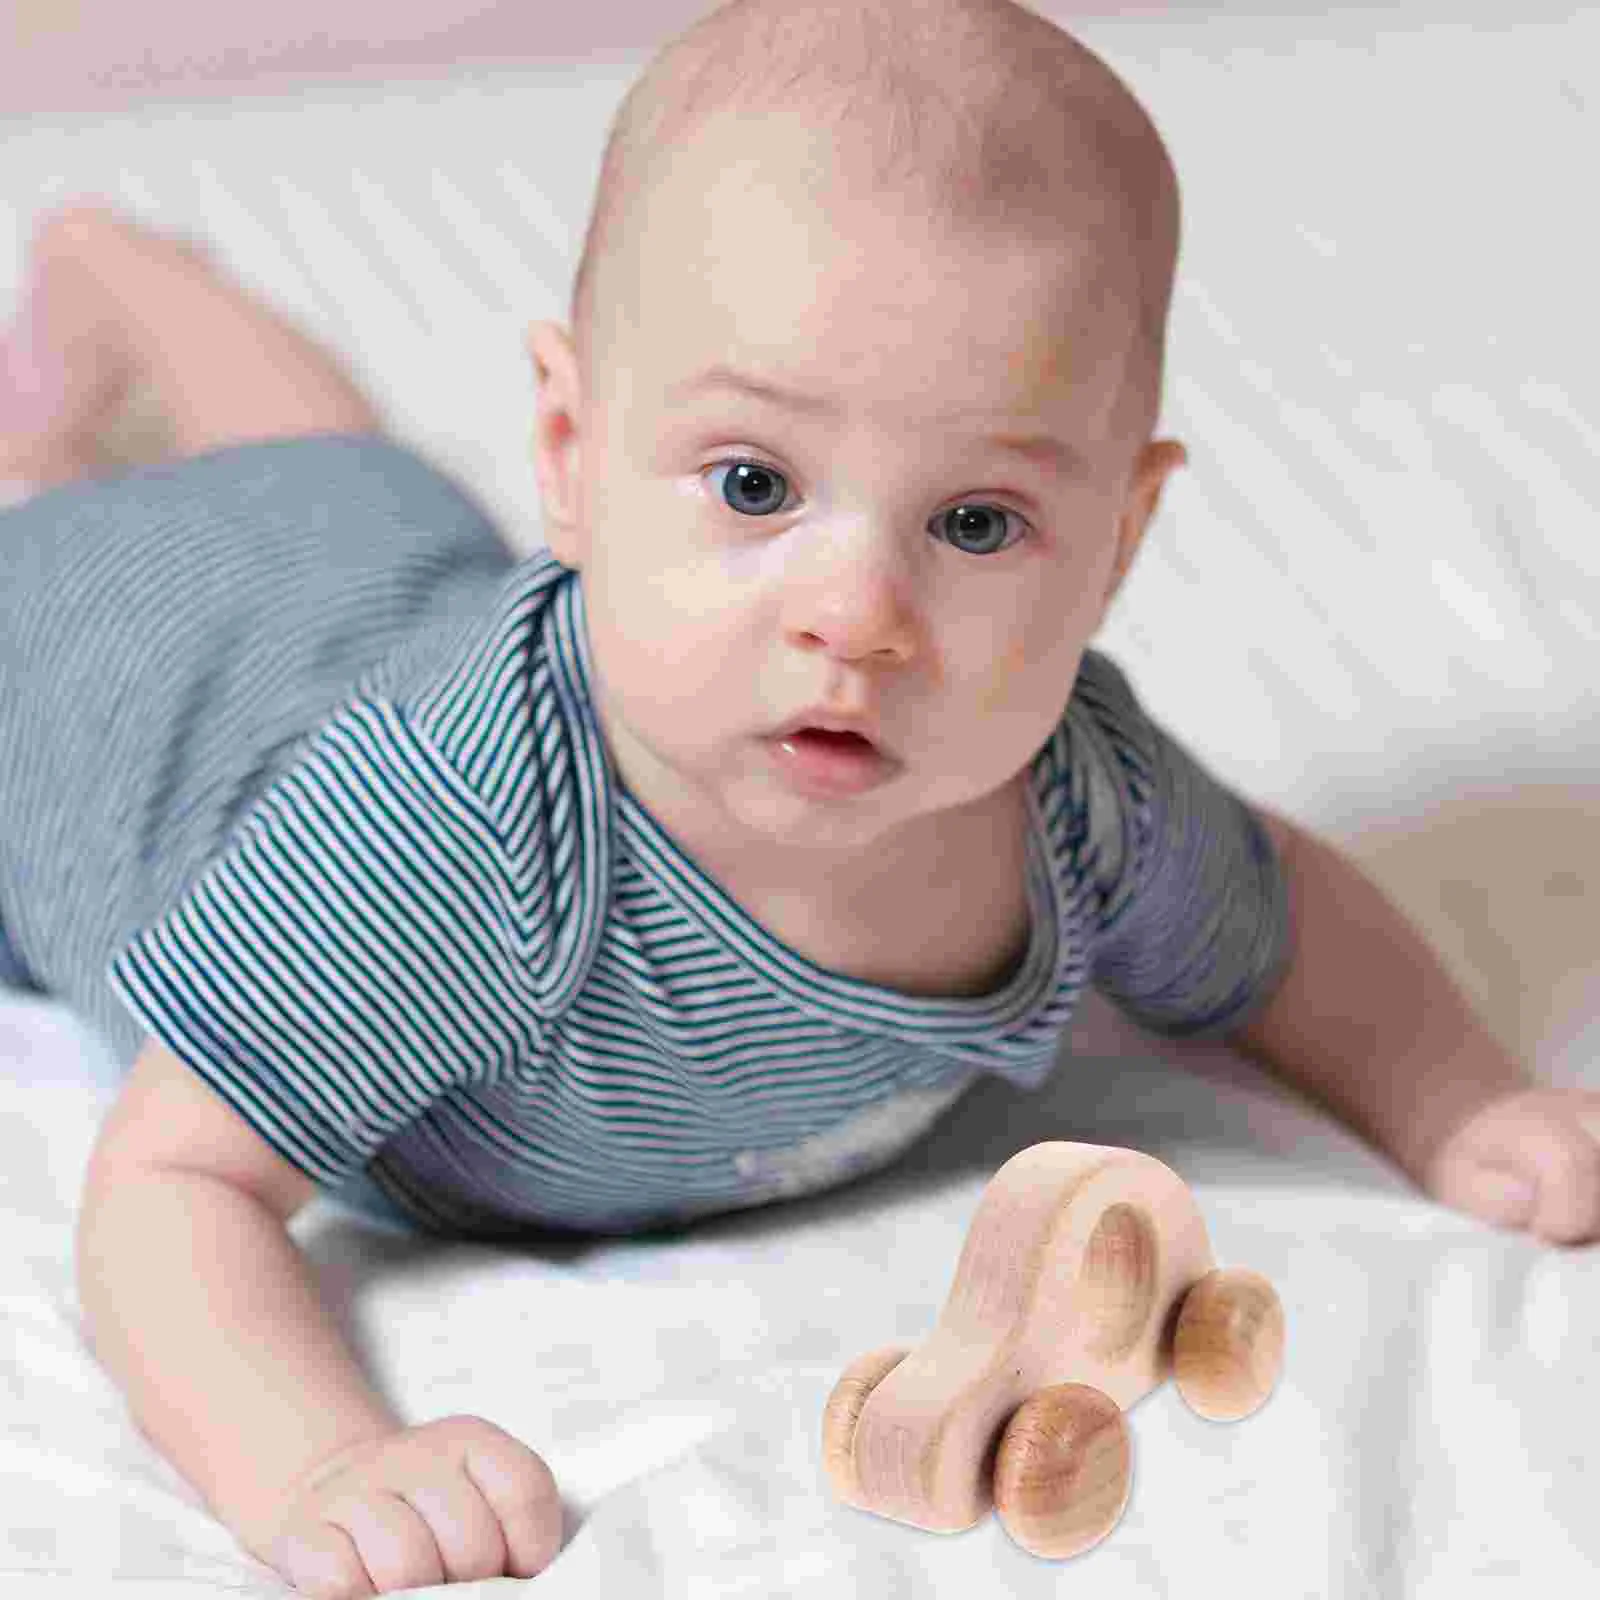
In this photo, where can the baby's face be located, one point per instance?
(874, 545)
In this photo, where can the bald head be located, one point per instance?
(984, 118)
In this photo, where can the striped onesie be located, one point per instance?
(300, 772)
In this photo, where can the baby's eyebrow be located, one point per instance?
(1044, 450)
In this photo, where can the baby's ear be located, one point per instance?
(557, 446)
(1158, 461)
(530, 343)
(555, 361)
(1162, 457)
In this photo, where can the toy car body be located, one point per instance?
(1087, 1278)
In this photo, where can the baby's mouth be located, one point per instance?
(846, 740)
(842, 741)
(836, 741)
(830, 763)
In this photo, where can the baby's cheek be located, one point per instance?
(1000, 685)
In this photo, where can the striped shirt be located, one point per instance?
(448, 946)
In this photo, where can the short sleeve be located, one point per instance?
(341, 964)
(1193, 931)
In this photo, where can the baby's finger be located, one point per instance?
(322, 1563)
(468, 1533)
(521, 1490)
(1500, 1195)
(1565, 1163)
(1589, 1112)
(395, 1543)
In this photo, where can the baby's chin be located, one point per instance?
(760, 804)
(764, 809)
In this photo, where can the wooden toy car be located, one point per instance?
(1086, 1278)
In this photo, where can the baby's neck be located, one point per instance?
(943, 914)
(860, 886)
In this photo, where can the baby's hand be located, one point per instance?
(1528, 1161)
(443, 1502)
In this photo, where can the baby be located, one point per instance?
(702, 860)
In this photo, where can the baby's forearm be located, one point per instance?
(200, 1306)
(1368, 1021)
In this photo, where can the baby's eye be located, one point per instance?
(981, 522)
(752, 489)
(755, 490)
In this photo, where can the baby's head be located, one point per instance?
(935, 226)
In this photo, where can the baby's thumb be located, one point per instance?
(1497, 1195)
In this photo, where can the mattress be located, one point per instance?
(1372, 602)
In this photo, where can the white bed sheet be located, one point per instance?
(1383, 364)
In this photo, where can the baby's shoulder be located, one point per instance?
(1104, 694)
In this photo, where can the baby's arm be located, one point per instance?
(199, 1305)
(1368, 1021)
(202, 1310)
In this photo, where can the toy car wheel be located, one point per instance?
(843, 1410)
(1061, 1475)
(1228, 1345)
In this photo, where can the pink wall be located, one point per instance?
(69, 55)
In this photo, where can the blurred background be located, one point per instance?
(66, 55)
